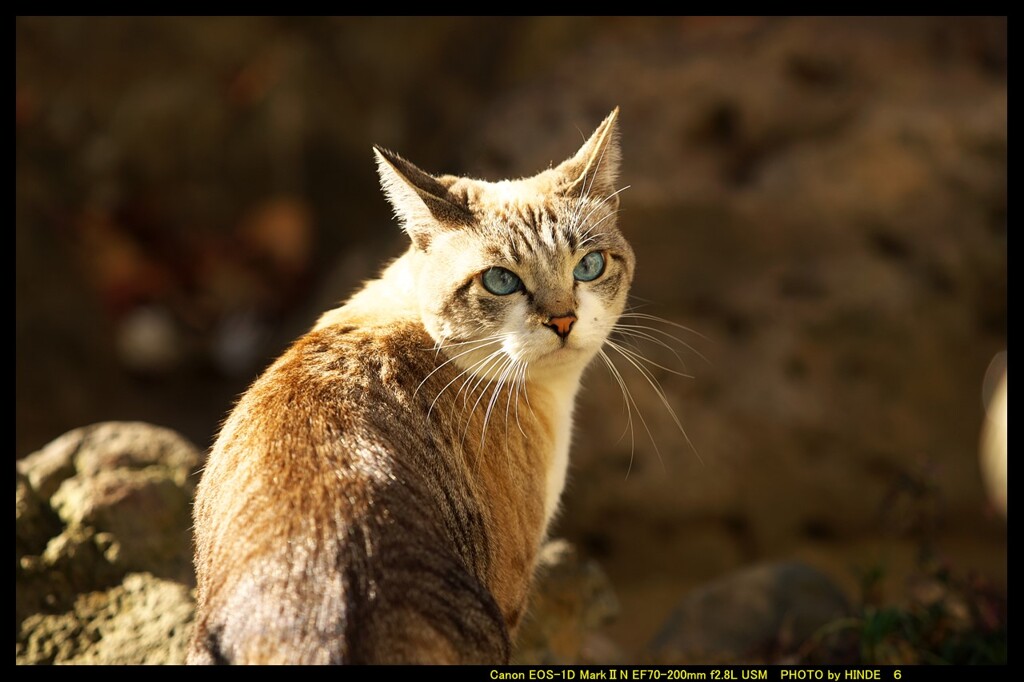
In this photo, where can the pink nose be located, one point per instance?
(561, 324)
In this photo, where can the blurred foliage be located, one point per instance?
(941, 616)
(946, 618)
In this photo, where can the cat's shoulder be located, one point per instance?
(350, 347)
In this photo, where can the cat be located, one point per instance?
(380, 493)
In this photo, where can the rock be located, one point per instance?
(130, 480)
(91, 449)
(34, 521)
(46, 469)
(103, 546)
(143, 620)
(571, 599)
(145, 513)
(750, 615)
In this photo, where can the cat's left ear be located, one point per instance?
(595, 167)
(421, 201)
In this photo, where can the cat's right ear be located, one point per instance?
(421, 201)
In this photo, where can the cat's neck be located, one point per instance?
(561, 400)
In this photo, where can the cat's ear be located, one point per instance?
(421, 201)
(595, 167)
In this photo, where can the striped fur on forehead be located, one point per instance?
(547, 228)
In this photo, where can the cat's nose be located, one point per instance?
(561, 324)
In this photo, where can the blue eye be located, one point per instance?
(501, 282)
(590, 267)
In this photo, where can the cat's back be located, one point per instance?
(334, 501)
(333, 396)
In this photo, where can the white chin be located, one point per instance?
(562, 355)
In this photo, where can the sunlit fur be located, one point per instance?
(539, 228)
(381, 492)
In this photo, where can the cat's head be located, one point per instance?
(532, 270)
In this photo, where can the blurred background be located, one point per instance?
(822, 200)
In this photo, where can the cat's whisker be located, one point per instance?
(481, 344)
(441, 344)
(655, 318)
(620, 326)
(643, 421)
(475, 373)
(639, 330)
(508, 403)
(470, 385)
(585, 200)
(446, 346)
(655, 330)
(456, 378)
(659, 391)
(478, 344)
(626, 399)
(587, 240)
(479, 376)
(520, 388)
(508, 373)
(593, 177)
(588, 235)
(601, 203)
(659, 342)
(493, 360)
(513, 390)
(640, 357)
(499, 367)
(498, 385)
